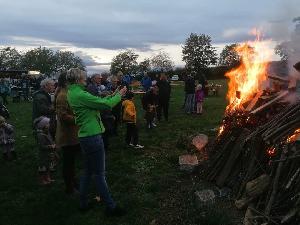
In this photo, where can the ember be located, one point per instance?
(271, 151)
(294, 136)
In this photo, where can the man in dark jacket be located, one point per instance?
(189, 88)
(94, 86)
(164, 91)
(42, 105)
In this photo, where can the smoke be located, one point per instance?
(285, 28)
(294, 46)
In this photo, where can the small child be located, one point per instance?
(7, 140)
(199, 97)
(46, 148)
(150, 116)
(129, 117)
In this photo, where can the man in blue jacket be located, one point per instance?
(146, 82)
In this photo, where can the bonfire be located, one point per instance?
(257, 153)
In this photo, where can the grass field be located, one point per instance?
(147, 183)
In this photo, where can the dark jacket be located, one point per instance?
(41, 105)
(149, 99)
(189, 86)
(164, 90)
(93, 89)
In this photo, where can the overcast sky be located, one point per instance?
(97, 30)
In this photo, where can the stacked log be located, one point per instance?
(261, 165)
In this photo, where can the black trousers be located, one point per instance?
(163, 106)
(4, 98)
(132, 134)
(69, 156)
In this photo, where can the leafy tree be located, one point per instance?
(125, 61)
(198, 53)
(41, 59)
(145, 65)
(65, 60)
(10, 59)
(162, 62)
(229, 57)
(48, 61)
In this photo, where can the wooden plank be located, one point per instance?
(278, 78)
(232, 159)
(254, 101)
(280, 96)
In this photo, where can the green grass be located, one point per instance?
(147, 183)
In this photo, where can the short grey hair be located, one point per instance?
(45, 82)
(74, 75)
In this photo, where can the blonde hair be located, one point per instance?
(74, 75)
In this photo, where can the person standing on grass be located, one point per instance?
(42, 105)
(117, 109)
(189, 88)
(66, 135)
(7, 140)
(107, 117)
(86, 109)
(146, 82)
(199, 97)
(149, 103)
(164, 92)
(4, 91)
(129, 117)
(46, 148)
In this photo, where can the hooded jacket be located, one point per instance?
(86, 108)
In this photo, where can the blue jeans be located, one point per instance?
(94, 163)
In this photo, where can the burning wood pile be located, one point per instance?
(257, 152)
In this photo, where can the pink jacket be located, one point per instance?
(199, 96)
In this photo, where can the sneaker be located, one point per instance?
(131, 145)
(138, 146)
(115, 212)
(154, 125)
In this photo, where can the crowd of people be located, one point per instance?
(19, 88)
(77, 114)
(82, 115)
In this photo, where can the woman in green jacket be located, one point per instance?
(86, 110)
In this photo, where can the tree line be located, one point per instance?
(45, 60)
(198, 53)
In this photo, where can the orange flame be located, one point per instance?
(221, 129)
(249, 77)
(294, 136)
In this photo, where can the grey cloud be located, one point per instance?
(136, 24)
(88, 60)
